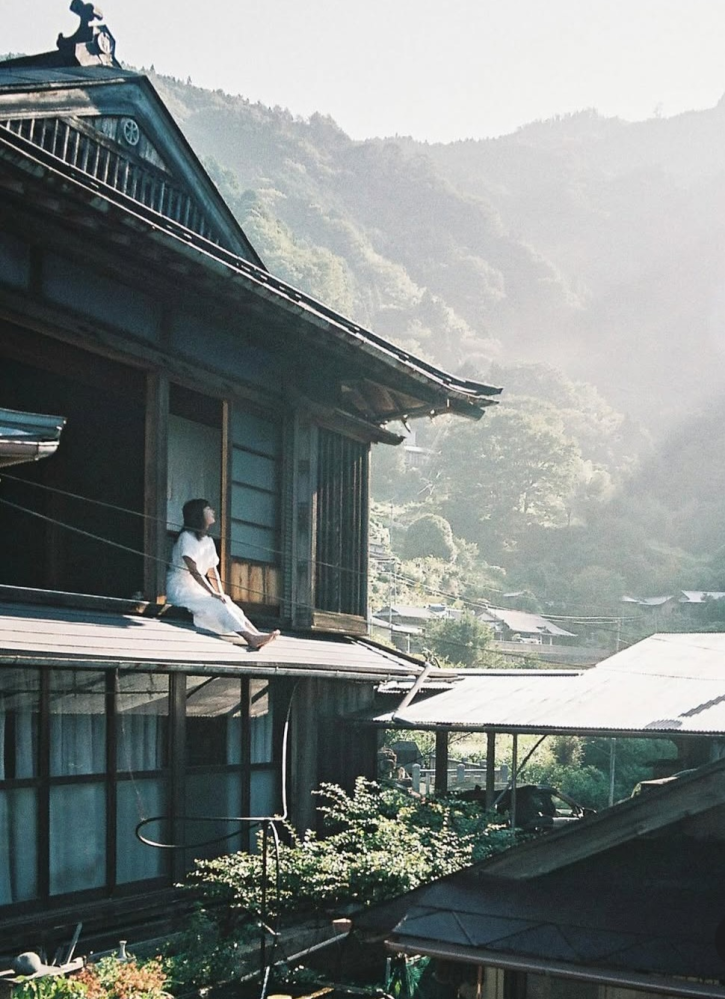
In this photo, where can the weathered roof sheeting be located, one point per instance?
(473, 700)
(27, 436)
(665, 685)
(44, 636)
(593, 914)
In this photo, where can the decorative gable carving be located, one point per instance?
(115, 151)
(129, 135)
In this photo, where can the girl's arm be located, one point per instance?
(204, 583)
(215, 579)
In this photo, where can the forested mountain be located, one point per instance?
(589, 243)
(579, 262)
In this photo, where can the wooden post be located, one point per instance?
(156, 473)
(441, 762)
(225, 505)
(514, 776)
(490, 769)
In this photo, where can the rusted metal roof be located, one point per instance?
(63, 637)
(27, 436)
(667, 684)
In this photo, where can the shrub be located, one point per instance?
(109, 978)
(430, 535)
(381, 843)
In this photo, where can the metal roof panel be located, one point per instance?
(31, 635)
(668, 683)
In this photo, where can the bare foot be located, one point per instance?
(259, 641)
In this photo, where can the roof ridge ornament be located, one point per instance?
(92, 43)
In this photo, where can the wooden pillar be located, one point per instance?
(514, 776)
(490, 769)
(225, 505)
(156, 475)
(178, 831)
(441, 775)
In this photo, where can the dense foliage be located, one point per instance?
(379, 843)
(108, 978)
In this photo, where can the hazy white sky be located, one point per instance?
(434, 70)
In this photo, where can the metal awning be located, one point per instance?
(88, 639)
(27, 436)
(668, 684)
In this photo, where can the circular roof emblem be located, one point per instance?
(131, 131)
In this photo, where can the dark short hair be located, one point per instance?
(193, 511)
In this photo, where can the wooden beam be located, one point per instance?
(490, 769)
(441, 774)
(156, 459)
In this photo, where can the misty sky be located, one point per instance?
(434, 70)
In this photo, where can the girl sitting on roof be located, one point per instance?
(193, 580)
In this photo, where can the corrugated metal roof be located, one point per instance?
(31, 635)
(666, 684)
(27, 436)
(472, 701)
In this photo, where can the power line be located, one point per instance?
(477, 604)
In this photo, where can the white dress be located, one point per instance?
(182, 589)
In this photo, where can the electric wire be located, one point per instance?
(126, 548)
(480, 603)
(475, 604)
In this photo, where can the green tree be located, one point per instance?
(429, 535)
(514, 469)
(466, 641)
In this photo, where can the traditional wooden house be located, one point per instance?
(132, 302)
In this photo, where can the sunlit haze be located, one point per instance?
(466, 69)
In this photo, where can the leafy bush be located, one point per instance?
(109, 978)
(430, 535)
(465, 641)
(381, 843)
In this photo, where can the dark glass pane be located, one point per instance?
(77, 837)
(142, 707)
(18, 844)
(77, 723)
(212, 798)
(138, 800)
(19, 707)
(260, 722)
(213, 721)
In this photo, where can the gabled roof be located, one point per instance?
(407, 610)
(649, 601)
(700, 596)
(142, 149)
(42, 171)
(524, 622)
